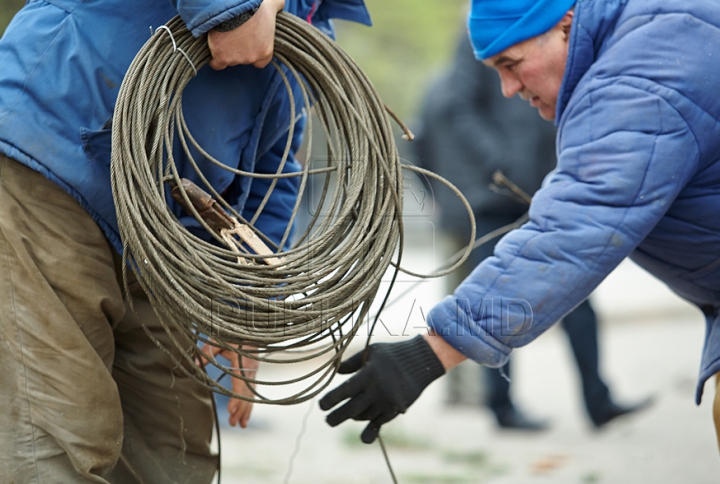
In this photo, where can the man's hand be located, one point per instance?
(238, 408)
(251, 43)
(392, 378)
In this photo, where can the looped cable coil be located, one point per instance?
(309, 302)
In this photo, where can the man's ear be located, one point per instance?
(566, 23)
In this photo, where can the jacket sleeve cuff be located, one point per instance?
(452, 323)
(201, 19)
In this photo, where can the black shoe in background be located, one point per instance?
(516, 420)
(613, 411)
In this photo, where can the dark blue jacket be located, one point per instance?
(638, 174)
(61, 65)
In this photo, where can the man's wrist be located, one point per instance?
(448, 356)
(236, 22)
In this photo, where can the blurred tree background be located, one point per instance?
(7, 10)
(410, 42)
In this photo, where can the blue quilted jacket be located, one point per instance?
(638, 175)
(61, 65)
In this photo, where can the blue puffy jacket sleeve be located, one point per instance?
(202, 15)
(624, 155)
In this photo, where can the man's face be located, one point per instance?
(534, 69)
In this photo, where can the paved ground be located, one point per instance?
(650, 346)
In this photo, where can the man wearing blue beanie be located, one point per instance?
(632, 87)
(504, 32)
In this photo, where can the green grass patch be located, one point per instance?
(434, 478)
(393, 437)
(473, 458)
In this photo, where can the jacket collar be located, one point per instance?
(593, 24)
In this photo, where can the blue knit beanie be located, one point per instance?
(495, 25)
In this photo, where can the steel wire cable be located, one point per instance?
(305, 303)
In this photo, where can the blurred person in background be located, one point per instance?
(468, 131)
(633, 90)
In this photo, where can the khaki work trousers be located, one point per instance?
(85, 395)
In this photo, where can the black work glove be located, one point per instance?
(394, 375)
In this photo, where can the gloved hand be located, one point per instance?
(393, 376)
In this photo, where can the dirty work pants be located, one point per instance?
(85, 395)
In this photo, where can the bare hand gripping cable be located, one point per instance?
(304, 304)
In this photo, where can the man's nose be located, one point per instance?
(511, 85)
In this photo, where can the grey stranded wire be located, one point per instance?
(309, 304)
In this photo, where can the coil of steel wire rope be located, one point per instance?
(298, 305)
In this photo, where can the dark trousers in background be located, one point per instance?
(581, 329)
(580, 326)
